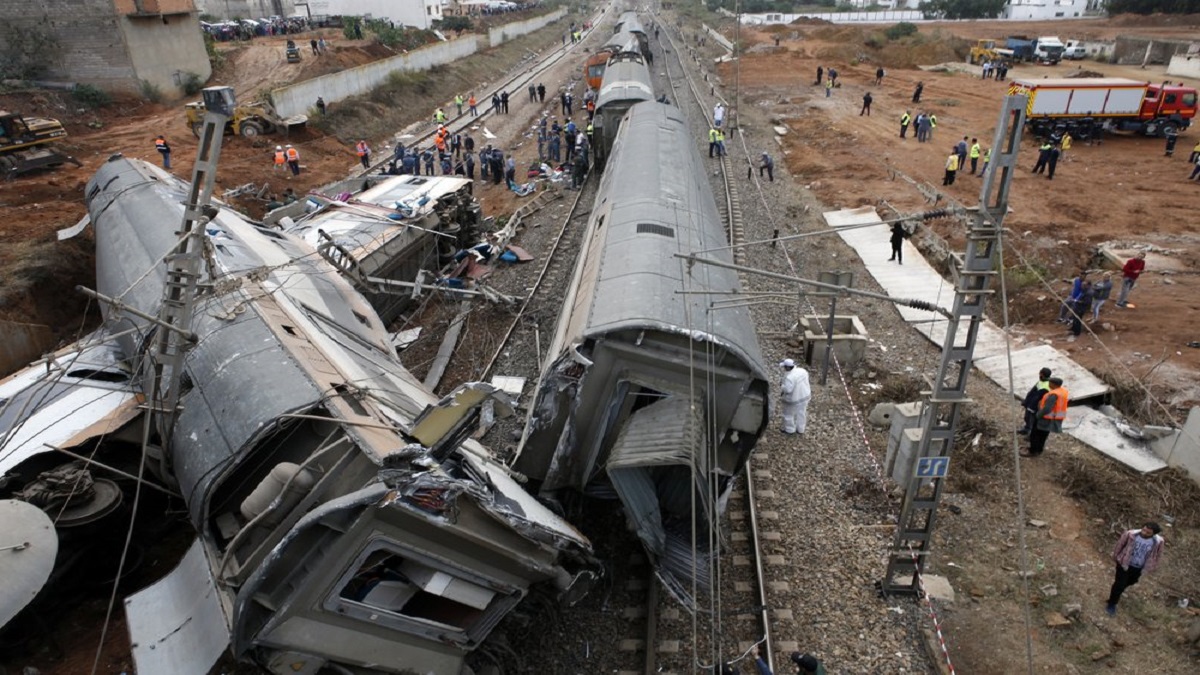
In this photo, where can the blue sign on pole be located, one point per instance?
(932, 467)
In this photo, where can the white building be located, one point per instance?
(416, 13)
(1044, 9)
(248, 9)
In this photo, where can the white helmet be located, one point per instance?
(279, 147)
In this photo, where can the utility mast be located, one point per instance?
(914, 532)
(184, 265)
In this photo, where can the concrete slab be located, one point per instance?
(1096, 429)
(938, 587)
(1028, 360)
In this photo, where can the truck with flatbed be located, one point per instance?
(1086, 107)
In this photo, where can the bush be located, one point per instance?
(215, 57)
(91, 97)
(900, 30)
(458, 24)
(26, 51)
(192, 84)
(150, 91)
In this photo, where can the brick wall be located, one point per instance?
(91, 46)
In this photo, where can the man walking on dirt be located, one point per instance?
(1051, 412)
(951, 168)
(905, 120)
(293, 160)
(794, 394)
(1033, 399)
(364, 153)
(820, 75)
(541, 92)
(866, 108)
(1137, 551)
(879, 76)
(917, 92)
(160, 144)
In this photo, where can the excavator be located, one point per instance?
(24, 144)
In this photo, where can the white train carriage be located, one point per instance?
(626, 82)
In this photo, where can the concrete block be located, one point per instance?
(904, 461)
(849, 340)
(904, 416)
(938, 587)
(668, 647)
(766, 494)
(671, 614)
(881, 414)
(631, 613)
(779, 587)
(781, 614)
(630, 645)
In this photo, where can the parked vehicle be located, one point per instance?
(989, 50)
(1087, 106)
(1046, 50)
(25, 144)
(1074, 51)
(248, 120)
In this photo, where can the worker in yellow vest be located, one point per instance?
(987, 159)
(951, 168)
(439, 116)
(1052, 410)
(905, 120)
(364, 153)
(280, 159)
(975, 153)
(712, 141)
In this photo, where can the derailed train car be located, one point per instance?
(344, 516)
(647, 391)
(626, 82)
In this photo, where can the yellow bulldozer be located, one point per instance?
(25, 144)
(989, 50)
(249, 120)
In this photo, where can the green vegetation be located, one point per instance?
(150, 91)
(962, 9)
(1153, 7)
(900, 30)
(458, 24)
(192, 83)
(215, 58)
(90, 97)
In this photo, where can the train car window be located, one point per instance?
(654, 228)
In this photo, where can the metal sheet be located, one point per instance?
(177, 625)
(28, 548)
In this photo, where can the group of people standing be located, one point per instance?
(960, 153)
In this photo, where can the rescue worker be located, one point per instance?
(720, 143)
(932, 126)
(280, 159)
(591, 109)
(364, 153)
(976, 152)
(767, 164)
(905, 120)
(1052, 410)
(458, 102)
(439, 117)
(951, 168)
(1033, 399)
(795, 393)
(987, 159)
(471, 103)
(160, 144)
(293, 160)
(590, 131)
(1043, 157)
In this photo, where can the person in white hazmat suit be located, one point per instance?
(794, 398)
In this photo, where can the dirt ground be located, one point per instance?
(1122, 194)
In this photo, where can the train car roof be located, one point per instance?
(654, 202)
(625, 79)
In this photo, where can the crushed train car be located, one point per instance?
(343, 515)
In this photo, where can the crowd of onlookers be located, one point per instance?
(246, 29)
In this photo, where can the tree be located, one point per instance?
(1152, 6)
(962, 9)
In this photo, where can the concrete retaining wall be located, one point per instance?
(501, 34)
(1185, 65)
(21, 343)
(296, 99)
(1133, 50)
(248, 9)
(164, 50)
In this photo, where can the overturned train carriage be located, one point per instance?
(344, 515)
(648, 391)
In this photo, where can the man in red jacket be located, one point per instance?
(1137, 551)
(1131, 271)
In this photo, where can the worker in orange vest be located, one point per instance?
(293, 160)
(364, 153)
(280, 159)
(1052, 410)
(440, 142)
(160, 144)
(591, 108)
(471, 104)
